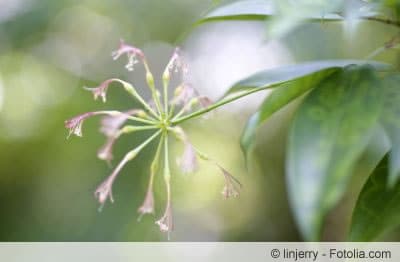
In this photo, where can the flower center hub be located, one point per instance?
(165, 123)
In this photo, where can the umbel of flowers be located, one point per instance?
(162, 114)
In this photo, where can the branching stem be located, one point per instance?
(221, 102)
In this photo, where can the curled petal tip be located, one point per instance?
(75, 124)
(165, 223)
(131, 52)
(104, 191)
(232, 185)
(100, 91)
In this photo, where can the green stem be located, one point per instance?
(145, 121)
(133, 153)
(116, 113)
(167, 172)
(222, 102)
(129, 129)
(150, 83)
(382, 20)
(154, 163)
(148, 140)
(165, 87)
(183, 109)
(131, 90)
(171, 110)
(391, 44)
(186, 107)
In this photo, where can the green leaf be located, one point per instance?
(378, 208)
(242, 10)
(297, 79)
(275, 101)
(254, 10)
(273, 77)
(291, 14)
(329, 132)
(391, 122)
(284, 16)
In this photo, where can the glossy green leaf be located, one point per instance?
(391, 121)
(285, 15)
(275, 101)
(329, 132)
(255, 10)
(378, 208)
(291, 14)
(296, 80)
(273, 77)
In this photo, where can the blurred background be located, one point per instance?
(50, 49)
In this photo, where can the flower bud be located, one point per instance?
(166, 77)
(150, 79)
(142, 114)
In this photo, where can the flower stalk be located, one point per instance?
(166, 221)
(148, 204)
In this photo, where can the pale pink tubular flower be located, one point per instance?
(110, 125)
(205, 101)
(188, 162)
(232, 185)
(131, 52)
(75, 124)
(166, 221)
(183, 94)
(176, 63)
(105, 152)
(148, 204)
(104, 190)
(101, 90)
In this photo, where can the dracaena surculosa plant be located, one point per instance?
(163, 114)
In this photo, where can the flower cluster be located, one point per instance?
(162, 114)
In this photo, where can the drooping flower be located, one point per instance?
(105, 152)
(104, 190)
(188, 161)
(101, 90)
(110, 125)
(148, 204)
(131, 52)
(176, 63)
(75, 124)
(232, 185)
(183, 94)
(205, 101)
(166, 221)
